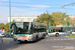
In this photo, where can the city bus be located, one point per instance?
(28, 31)
(56, 31)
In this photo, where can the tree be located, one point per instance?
(7, 27)
(72, 21)
(57, 18)
(43, 18)
(2, 25)
(60, 18)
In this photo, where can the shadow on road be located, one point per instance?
(15, 44)
(26, 42)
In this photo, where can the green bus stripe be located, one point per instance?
(22, 34)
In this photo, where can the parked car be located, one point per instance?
(7, 35)
(4, 34)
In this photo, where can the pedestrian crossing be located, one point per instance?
(60, 39)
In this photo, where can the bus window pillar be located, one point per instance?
(29, 26)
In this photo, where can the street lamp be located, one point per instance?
(49, 19)
(49, 22)
(10, 15)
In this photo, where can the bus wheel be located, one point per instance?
(21, 41)
(43, 36)
(15, 39)
(57, 34)
(36, 38)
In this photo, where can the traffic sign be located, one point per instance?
(0, 31)
(68, 23)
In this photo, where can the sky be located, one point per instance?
(34, 8)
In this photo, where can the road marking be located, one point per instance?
(69, 39)
(68, 43)
(54, 39)
(47, 40)
(7, 42)
(51, 39)
(61, 39)
(72, 38)
(65, 39)
(67, 48)
(58, 39)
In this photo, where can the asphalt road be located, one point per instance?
(49, 43)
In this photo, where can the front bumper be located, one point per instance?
(29, 38)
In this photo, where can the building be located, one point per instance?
(25, 19)
(72, 16)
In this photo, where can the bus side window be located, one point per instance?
(49, 31)
(74, 30)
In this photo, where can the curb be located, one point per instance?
(6, 42)
(69, 37)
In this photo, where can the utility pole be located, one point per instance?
(67, 5)
(10, 15)
(50, 20)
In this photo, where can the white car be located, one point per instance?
(73, 32)
(1, 34)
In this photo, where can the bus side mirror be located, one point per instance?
(31, 31)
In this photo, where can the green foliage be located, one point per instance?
(43, 18)
(2, 25)
(56, 18)
(7, 27)
(60, 18)
(72, 23)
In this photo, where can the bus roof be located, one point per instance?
(34, 23)
(38, 23)
(64, 28)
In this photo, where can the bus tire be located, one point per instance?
(43, 36)
(15, 39)
(57, 34)
(21, 41)
(36, 38)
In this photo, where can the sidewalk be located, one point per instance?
(6, 40)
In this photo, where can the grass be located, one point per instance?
(73, 36)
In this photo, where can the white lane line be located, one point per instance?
(47, 40)
(72, 38)
(61, 39)
(65, 39)
(54, 39)
(69, 39)
(51, 39)
(7, 42)
(58, 39)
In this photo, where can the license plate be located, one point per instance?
(19, 37)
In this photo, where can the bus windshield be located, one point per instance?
(21, 27)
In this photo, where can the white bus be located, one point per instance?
(28, 31)
(56, 31)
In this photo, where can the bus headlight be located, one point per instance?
(15, 36)
(30, 37)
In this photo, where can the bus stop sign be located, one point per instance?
(68, 23)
